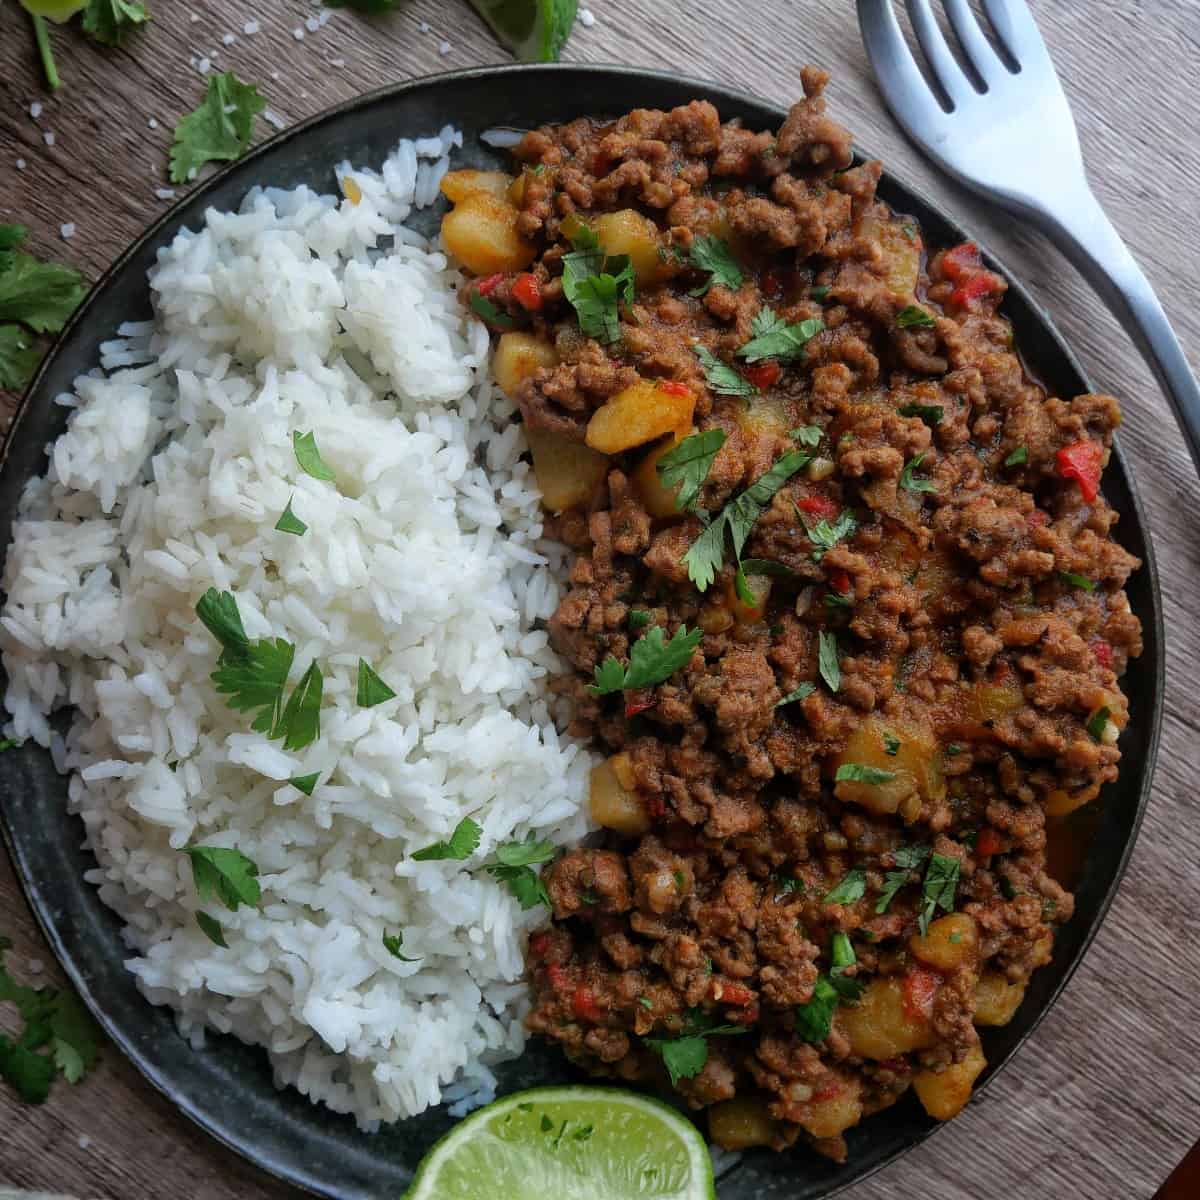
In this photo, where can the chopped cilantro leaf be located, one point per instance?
(371, 689)
(1097, 723)
(814, 1018)
(651, 660)
(462, 843)
(300, 723)
(706, 554)
(19, 357)
(775, 338)
(931, 414)
(853, 886)
(820, 292)
(914, 316)
(741, 514)
(290, 523)
(1017, 457)
(712, 254)
(394, 946)
(853, 772)
(1076, 580)
(309, 457)
(684, 1056)
(226, 873)
(765, 566)
(891, 744)
(687, 465)
(596, 286)
(824, 535)
(801, 693)
(806, 435)
(721, 377)
(488, 311)
(828, 660)
(305, 783)
(941, 882)
(910, 482)
(211, 928)
(638, 619)
(108, 21)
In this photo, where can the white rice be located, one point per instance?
(305, 312)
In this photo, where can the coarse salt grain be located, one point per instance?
(84, 1141)
(229, 39)
(67, 231)
(298, 33)
(273, 118)
(48, 137)
(36, 966)
(204, 65)
(21, 164)
(165, 193)
(35, 110)
(424, 27)
(152, 124)
(195, 18)
(587, 18)
(312, 24)
(444, 48)
(251, 28)
(339, 63)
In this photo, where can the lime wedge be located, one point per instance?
(534, 30)
(56, 10)
(568, 1143)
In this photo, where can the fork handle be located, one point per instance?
(1080, 228)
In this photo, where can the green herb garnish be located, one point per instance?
(394, 946)
(687, 465)
(712, 254)
(908, 480)
(1017, 457)
(807, 435)
(1076, 580)
(907, 859)
(305, 783)
(309, 457)
(290, 523)
(596, 286)
(489, 312)
(931, 414)
(514, 867)
(721, 377)
(861, 773)
(828, 660)
(684, 1056)
(853, 886)
(108, 21)
(801, 693)
(913, 316)
(211, 928)
(941, 882)
(651, 660)
(371, 689)
(219, 130)
(461, 844)
(1097, 723)
(775, 338)
(226, 873)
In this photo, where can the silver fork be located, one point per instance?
(1015, 143)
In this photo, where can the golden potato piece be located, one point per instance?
(481, 233)
(612, 801)
(458, 185)
(950, 942)
(901, 246)
(630, 232)
(881, 1025)
(741, 1123)
(833, 1109)
(517, 357)
(914, 766)
(567, 472)
(943, 1093)
(641, 413)
(996, 1000)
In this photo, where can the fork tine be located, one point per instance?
(1017, 29)
(942, 62)
(904, 88)
(978, 49)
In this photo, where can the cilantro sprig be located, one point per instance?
(461, 844)
(910, 482)
(775, 338)
(938, 889)
(814, 1019)
(219, 129)
(862, 773)
(852, 887)
(721, 377)
(908, 859)
(824, 535)
(687, 465)
(514, 867)
(651, 660)
(685, 1055)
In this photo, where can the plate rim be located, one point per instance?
(294, 1174)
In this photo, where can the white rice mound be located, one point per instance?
(305, 312)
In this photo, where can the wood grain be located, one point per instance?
(1106, 1098)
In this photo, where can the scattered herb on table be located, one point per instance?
(35, 298)
(108, 21)
(219, 130)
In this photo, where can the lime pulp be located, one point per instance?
(534, 30)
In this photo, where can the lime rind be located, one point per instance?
(568, 1143)
(534, 30)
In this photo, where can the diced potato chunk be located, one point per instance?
(764, 416)
(641, 413)
(950, 942)
(881, 1025)
(915, 767)
(991, 701)
(833, 1110)
(1060, 803)
(517, 357)
(658, 499)
(458, 185)
(567, 472)
(740, 1123)
(631, 232)
(901, 246)
(943, 1093)
(747, 614)
(996, 999)
(481, 233)
(613, 803)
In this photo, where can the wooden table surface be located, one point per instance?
(1105, 1100)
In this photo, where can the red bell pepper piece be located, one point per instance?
(584, 1006)
(839, 581)
(674, 388)
(487, 285)
(987, 843)
(538, 944)
(763, 375)
(732, 993)
(920, 987)
(817, 505)
(527, 291)
(1083, 462)
(557, 976)
(637, 702)
(983, 284)
(1102, 652)
(1037, 518)
(961, 261)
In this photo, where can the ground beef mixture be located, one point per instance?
(872, 738)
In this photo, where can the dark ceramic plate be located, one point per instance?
(227, 1089)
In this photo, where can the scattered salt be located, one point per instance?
(339, 63)
(84, 1141)
(195, 18)
(274, 74)
(203, 65)
(35, 109)
(587, 18)
(164, 193)
(229, 39)
(424, 27)
(48, 137)
(21, 164)
(445, 48)
(273, 118)
(67, 231)
(298, 33)
(36, 966)
(251, 28)
(152, 124)
(312, 24)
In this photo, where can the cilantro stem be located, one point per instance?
(41, 35)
